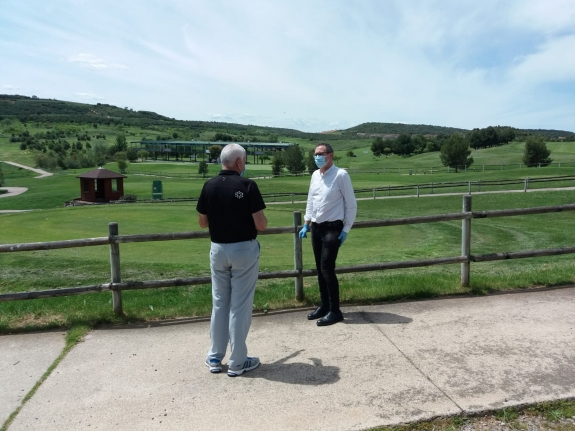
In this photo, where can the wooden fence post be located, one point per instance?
(298, 260)
(526, 186)
(116, 276)
(465, 241)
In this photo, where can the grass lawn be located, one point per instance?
(173, 259)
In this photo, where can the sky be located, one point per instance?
(308, 65)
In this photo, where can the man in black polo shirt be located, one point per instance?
(232, 207)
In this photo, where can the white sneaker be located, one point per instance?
(248, 365)
(214, 365)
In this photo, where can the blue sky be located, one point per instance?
(308, 65)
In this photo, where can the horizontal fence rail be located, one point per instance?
(116, 286)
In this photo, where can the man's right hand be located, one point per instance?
(303, 231)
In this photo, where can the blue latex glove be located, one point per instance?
(342, 236)
(303, 231)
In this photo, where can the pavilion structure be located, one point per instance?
(177, 150)
(101, 185)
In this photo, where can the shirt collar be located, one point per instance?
(329, 170)
(228, 172)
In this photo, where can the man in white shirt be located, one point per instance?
(331, 211)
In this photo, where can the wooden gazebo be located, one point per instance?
(101, 185)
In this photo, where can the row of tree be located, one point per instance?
(456, 152)
(61, 154)
(406, 144)
(490, 137)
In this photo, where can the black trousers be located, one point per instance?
(325, 248)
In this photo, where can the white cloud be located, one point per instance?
(11, 87)
(89, 96)
(90, 61)
(312, 66)
(548, 17)
(553, 62)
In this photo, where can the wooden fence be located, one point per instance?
(116, 286)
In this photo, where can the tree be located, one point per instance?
(143, 155)
(475, 139)
(122, 166)
(536, 152)
(132, 154)
(293, 159)
(121, 143)
(403, 145)
(203, 169)
(419, 144)
(277, 163)
(310, 162)
(349, 154)
(99, 154)
(215, 151)
(377, 146)
(1, 176)
(490, 137)
(506, 135)
(455, 152)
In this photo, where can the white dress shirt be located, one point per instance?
(331, 198)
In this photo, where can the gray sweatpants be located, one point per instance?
(234, 270)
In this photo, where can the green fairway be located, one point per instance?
(173, 259)
(51, 221)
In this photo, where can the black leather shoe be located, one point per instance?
(331, 318)
(318, 313)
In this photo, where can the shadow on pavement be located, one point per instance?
(297, 373)
(367, 317)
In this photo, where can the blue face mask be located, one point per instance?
(319, 161)
(243, 174)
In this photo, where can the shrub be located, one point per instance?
(129, 197)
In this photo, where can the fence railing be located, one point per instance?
(116, 286)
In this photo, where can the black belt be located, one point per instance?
(336, 223)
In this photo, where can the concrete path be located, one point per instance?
(24, 359)
(385, 364)
(39, 171)
(12, 191)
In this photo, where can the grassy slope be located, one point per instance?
(41, 270)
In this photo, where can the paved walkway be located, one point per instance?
(39, 171)
(385, 364)
(12, 191)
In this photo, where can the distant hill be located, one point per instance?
(399, 128)
(35, 109)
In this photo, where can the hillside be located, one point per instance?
(399, 128)
(34, 109)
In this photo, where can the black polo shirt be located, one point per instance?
(229, 201)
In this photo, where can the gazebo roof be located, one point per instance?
(101, 173)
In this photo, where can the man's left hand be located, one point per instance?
(342, 236)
